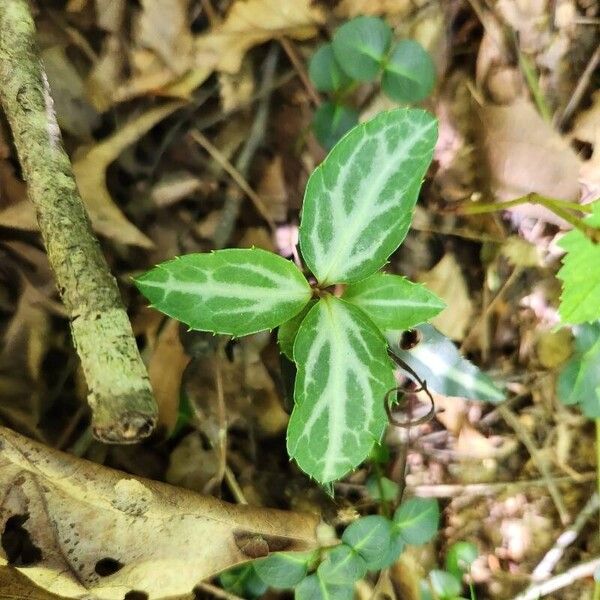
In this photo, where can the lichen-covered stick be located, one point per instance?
(120, 396)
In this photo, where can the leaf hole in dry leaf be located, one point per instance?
(107, 566)
(135, 595)
(17, 543)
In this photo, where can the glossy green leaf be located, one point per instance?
(444, 584)
(579, 379)
(325, 72)
(409, 74)
(438, 362)
(394, 302)
(343, 376)
(370, 536)
(342, 565)
(331, 122)
(234, 292)
(360, 46)
(459, 558)
(359, 201)
(391, 555)
(580, 274)
(417, 520)
(286, 335)
(314, 588)
(283, 569)
(243, 581)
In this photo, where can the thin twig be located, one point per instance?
(539, 461)
(237, 177)
(120, 396)
(565, 539)
(233, 201)
(298, 65)
(561, 581)
(580, 88)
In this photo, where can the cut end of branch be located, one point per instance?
(131, 428)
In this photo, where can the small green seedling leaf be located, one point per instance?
(314, 588)
(382, 489)
(371, 537)
(235, 292)
(579, 379)
(341, 566)
(360, 46)
(393, 302)
(283, 569)
(243, 581)
(286, 335)
(325, 72)
(417, 520)
(331, 122)
(343, 376)
(460, 557)
(580, 274)
(409, 74)
(437, 361)
(445, 585)
(359, 201)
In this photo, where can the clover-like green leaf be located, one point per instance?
(579, 379)
(342, 565)
(325, 72)
(417, 520)
(371, 537)
(393, 302)
(459, 558)
(409, 74)
(360, 46)
(445, 585)
(438, 362)
(580, 274)
(359, 202)
(234, 292)
(314, 588)
(283, 569)
(331, 122)
(343, 376)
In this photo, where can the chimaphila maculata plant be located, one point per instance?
(357, 210)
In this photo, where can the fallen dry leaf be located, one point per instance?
(87, 529)
(252, 22)
(348, 9)
(447, 281)
(166, 367)
(525, 154)
(168, 36)
(90, 167)
(14, 585)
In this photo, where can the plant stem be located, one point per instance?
(560, 208)
(472, 591)
(120, 396)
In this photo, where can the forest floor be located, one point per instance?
(519, 111)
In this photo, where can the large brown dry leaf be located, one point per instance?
(14, 585)
(79, 515)
(525, 154)
(253, 22)
(90, 171)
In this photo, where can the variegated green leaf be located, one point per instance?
(234, 292)
(438, 362)
(344, 373)
(286, 335)
(394, 302)
(359, 202)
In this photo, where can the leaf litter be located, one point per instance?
(130, 82)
